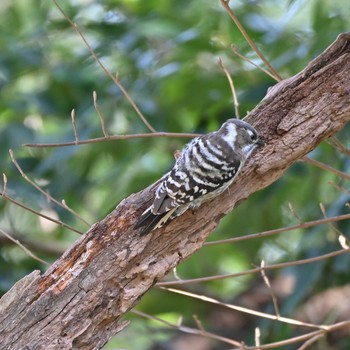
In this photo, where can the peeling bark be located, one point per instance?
(79, 301)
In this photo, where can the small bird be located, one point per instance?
(204, 169)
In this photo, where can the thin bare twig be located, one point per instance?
(232, 87)
(176, 276)
(244, 58)
(51, 248)
(198, 323)
(252, 271)
(257, 335)
(74, 127)
(294, 213)
(326, 167)
(98, 111)
(344, 243)
(187, 330)
(4, 178)
(246, 310)
(98, 61)
(58, 222)
(311, 341)
(226, 5)
(16, 241)
(268, 284)
(47, 195)
(241, 346)
(306, 224)
(336, 142)
(339, 188)
(112, 137)
(297, 339)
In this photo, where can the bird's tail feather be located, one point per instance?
(150, 221)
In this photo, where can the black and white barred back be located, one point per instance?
(205, 169)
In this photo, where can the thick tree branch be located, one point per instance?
(79, 301)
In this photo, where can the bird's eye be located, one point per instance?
(253, 136)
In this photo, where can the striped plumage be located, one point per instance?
(205, 169)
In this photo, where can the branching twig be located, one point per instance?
(339, 188)
(311, 341)
(246, 310)
(98, 61)
(59, 222)
(336, 142)
(232, 87)
(326, 167)
(307, 224)
(255, 270)
(113, 137)
(308, 337)
(344, 243)
(47, 195)
(268, 284)
(49, 248)
(198, 323)
(225, 4)
(188, 330)
(237, 53)
(297, 339)
(97, 108)
(16, 241)
(294, 213)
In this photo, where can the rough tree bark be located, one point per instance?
(79, 301)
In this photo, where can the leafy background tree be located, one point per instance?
(166, 55)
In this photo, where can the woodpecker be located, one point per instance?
(205, 168)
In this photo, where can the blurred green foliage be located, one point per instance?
(166, 55)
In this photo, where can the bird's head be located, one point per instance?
(241, 136)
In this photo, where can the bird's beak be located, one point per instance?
(260, 143)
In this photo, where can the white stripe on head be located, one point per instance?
(231, 134)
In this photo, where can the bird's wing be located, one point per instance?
(183, 187)
(162, 202)
(152, 216)
(200, 173)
